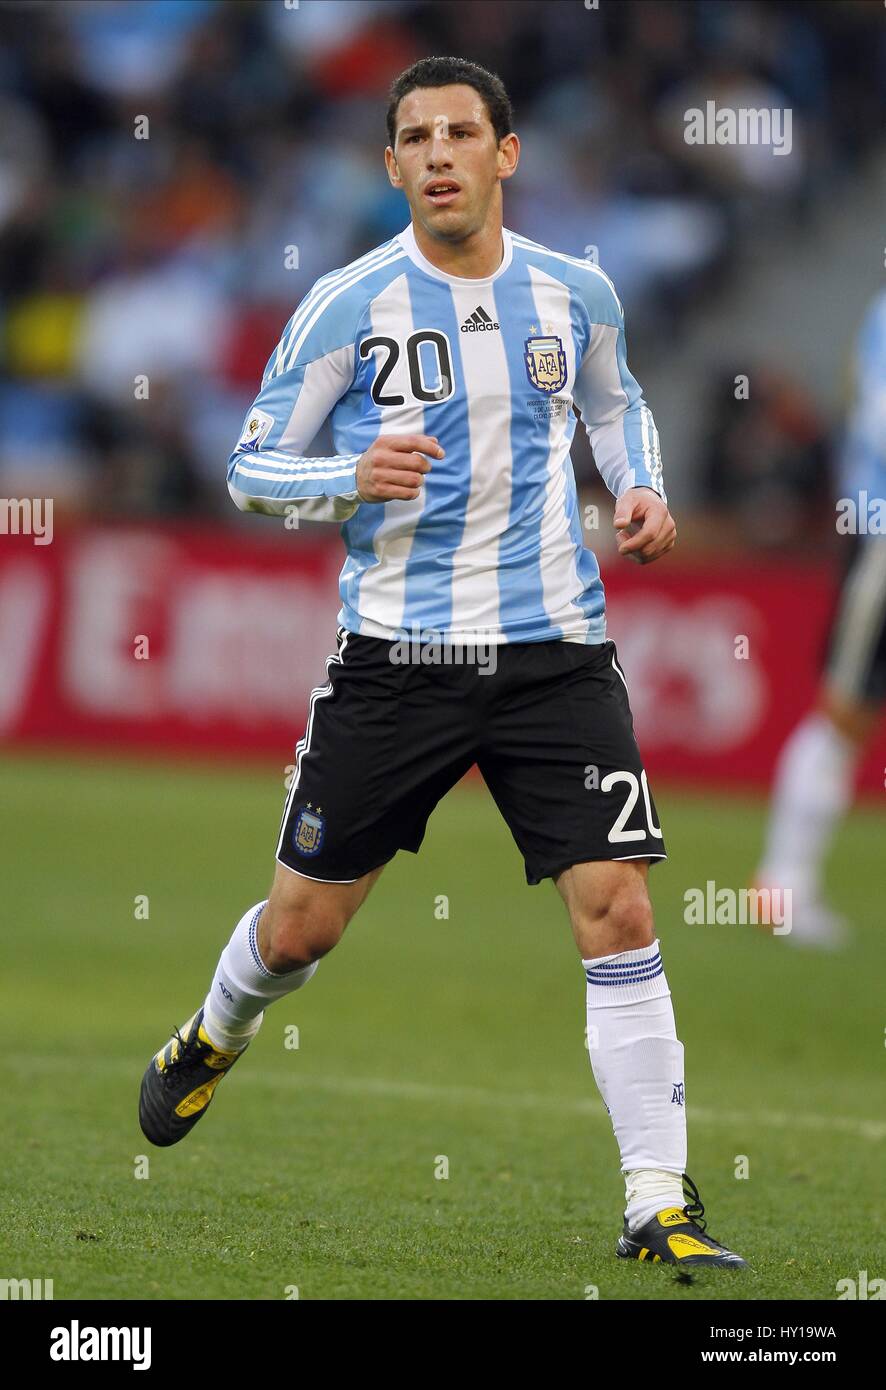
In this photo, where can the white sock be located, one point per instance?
(637, 1063)
(243, 986)
(813, 788)
(650, 1190)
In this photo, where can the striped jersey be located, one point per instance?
(863, 464)
(493, 548)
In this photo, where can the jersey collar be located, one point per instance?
(410, 246)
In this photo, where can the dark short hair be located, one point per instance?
(445, 72)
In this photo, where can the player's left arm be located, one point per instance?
(621, 430)
(644, 525)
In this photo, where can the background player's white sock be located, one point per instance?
(813, 788)
(243, 986)
(637, 1063)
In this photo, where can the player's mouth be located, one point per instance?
(442, 191)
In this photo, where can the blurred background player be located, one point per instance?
(815, 774)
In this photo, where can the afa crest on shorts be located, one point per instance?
(545, 363)
(307, 833)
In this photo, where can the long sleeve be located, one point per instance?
(269, 470)
(618, 421)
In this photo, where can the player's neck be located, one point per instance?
(475, 258)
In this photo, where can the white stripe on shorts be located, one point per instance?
(304, 744)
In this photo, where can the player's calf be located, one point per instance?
(273, 951)
(293, 937)
(304, 919)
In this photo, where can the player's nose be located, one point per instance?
(439, 155)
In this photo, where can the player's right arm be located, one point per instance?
(269, 470)
(394, 466)
(309, 372)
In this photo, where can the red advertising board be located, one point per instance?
(210, 640)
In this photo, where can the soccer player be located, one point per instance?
(448, 360)
(814, 778)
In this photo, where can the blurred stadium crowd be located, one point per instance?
(171, 256)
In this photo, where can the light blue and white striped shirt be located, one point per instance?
(493, 548)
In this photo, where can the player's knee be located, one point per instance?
(297, 933)
(623, 923)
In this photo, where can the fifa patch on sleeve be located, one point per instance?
(256, 429)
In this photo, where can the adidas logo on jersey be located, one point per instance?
(478, 322)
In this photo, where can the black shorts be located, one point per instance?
(855, 659)
(550, 728)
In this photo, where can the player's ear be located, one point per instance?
(391, 166)
(508, 155)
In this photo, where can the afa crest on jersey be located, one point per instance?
(545, 363)
(307, 834)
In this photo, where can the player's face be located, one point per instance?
(447, 160)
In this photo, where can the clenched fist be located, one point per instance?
(394, 466)
(644, 526)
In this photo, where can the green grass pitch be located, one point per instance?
(420, 1037)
